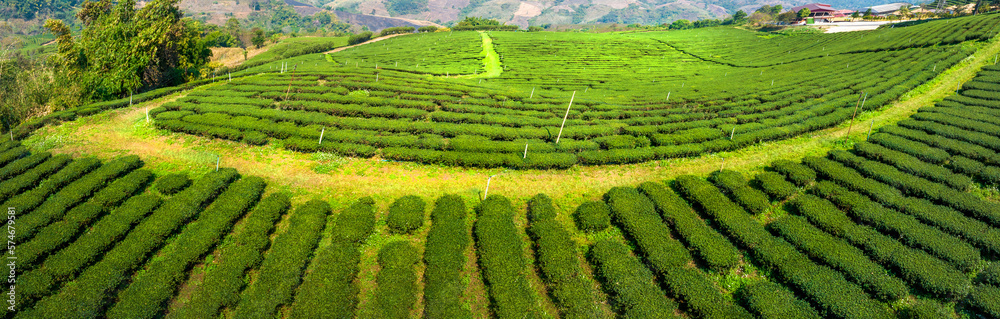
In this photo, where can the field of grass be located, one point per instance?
(892, 213)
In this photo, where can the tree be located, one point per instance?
(802, 14)
(868, 13)
(788, 17)
(258, 37)
(739, 16)
(681, 24)
(122, 49)
(904, 11)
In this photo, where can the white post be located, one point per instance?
(863, 102)
(485, 193)
(376, 77)
(587, 89)
(147, 114)
(532, 93)
(480, 81)
(565, 117)
(870, 130)
(682, 84)
(668, 96)
(12, 134)
(230, 77)
(525, 151)
(772, 82)
(130, 99)
(723, 164)
(321, 135)
(733, 133)
(397, 63)
(217, 161)
(935, 67)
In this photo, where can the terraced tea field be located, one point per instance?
(332, 190)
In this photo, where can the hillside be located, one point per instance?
(704, 173)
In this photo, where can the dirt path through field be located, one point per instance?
(366, 42)
(124, 131)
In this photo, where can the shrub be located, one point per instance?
(631, 287)
(711, 246)
(19, 166)
(924, 309)
(771, 300)
(281, 271)
(406, 214)
(394, 30)
(913, 165)
(733, 183)
(172, 183)
(149, 291)
(775, 185)
(242, 251)
(917, 267)
(797, 173)
(502, 260)
(428, 28)
(396, 284)
(88, 293)
(840, 255)
(985, 299)
(359, 38)
(559, 263)
(447, 243)
(32, 177)
(825, 287)
(991, 275)
(593, 216)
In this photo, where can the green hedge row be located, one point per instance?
(281, 271)
(985, 133)
(917, 267)
(87, 296)
(775, 185)
(396, 284)
(241, 251)
(13, 154)
(904, 227)
(952, 146)
(977, 232)
(149, 291)
(990, 275)
(56, 206)
(826, 288)
(919, 187)
(734, 184)
(840, 255)
(30, 200)
(917, 149)
(502, 260)
(708, 244)
(57, 234)
(913, 165)
(406, 214)
(486, 160)
(328, 289)
(988, 175)
(30, 178)
(631, 287)
(771, 300)
(592, 216)
(558, 262)
(694, 135)
(986, 300)
(447, 243)
(637, 216)
(23, 164)
(986, 140)
(797, 173)
(172, 183)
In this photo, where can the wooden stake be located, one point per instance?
(565, 117)
(855, 114)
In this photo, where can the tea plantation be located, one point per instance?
(899, 221)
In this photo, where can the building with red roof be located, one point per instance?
(822, 11)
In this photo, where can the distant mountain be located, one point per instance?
(524, 13)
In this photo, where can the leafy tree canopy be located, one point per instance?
(123, 49)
